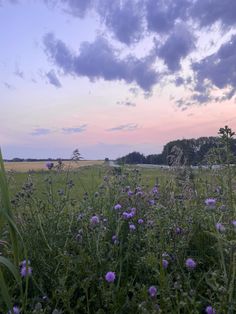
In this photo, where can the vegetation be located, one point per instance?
(203, 150)
(96, 240)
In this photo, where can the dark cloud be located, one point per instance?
(41, 131)
(124, 19)
(207, 12)
(162, 15)
(177, 46)
(218, 69)
(52, 78)
(124, 127)
(78, 129)
(179, 81)
(100, 60)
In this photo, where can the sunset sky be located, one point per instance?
(109, 76)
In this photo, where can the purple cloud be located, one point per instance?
(52, 78)
(124, 127)
(99, 60)
(177, 46)
(79, 129)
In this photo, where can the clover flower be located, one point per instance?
(210, 310)
(190, 263)
(152, 291)
(110, 276)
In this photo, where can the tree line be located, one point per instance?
(201, 151)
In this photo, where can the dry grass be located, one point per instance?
(40, 165)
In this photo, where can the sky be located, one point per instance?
(112, 77)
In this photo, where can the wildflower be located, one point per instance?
(15, 310)
(165, 263)
(132, 227)
(155, 190)
(210, 310)
(151, 202)
(210, 202)
(49, 165)
(140, 221)
(115, 239)
(152, 291)
(220, 227)
(234, 223)
(126, 215)
(110, 276)
(190, 263)
(26, 271)
(117, 207)
(24, 263)
(130, 193)
(94, 220)
(178, 230)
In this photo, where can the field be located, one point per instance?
(40, 165)
(105, 240)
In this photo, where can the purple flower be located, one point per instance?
(155, 190)
(132, 227)
(110, 276)
(220, 227)
(115, 239)
(140, 221)
(94, 220)
(151, 202)
(165, 263)
(15, 310)
(152, 291)
(210, 310)
(210, 202)
(117, 207)
(49, 165)
(234, 223)
(178, 230)
(24, 263)
(26, 271)
(126, 215)
(190, 263)
(130, 193)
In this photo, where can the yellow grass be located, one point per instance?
(40, 165)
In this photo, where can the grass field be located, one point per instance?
(40, 165)
(103, 240)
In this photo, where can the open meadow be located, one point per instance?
(100, 239)
(24, 166)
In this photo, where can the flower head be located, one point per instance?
(140, 221)
(26, 271)
(220, 227)
(165, 263)
(152, 291)
(210, 202)
(15, 310)
(210, 310)
(117, 207)
(234, 223)
(132, 227)
(94, 220)
(190, 263)
(49, 165)
(110, 276)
